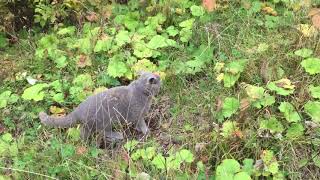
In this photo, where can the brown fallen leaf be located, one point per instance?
(83, 61)
(270, 11)
(314, 11)
(92, 17)
(81, 150)
(219, 104)
(209, 5)
(316, 21)
(244, 104)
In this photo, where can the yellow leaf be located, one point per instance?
(99, 90)
(220, 77)
(307, 30)
(269, 10)
(57, 111)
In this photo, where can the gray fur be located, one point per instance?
(98, 113)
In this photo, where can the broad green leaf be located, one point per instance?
(103, 45)
(267, 157)
(172, 31)
(83, 81)
(149, 153)
(159, 161)
(122, 38)
(4, 98)
(7, 137)
(248, 166)
(117, 68)
(185, 155)
(304, 52)
(68, 30)
(295, 130)
(311, 65)
(185, 35)
(242, 176)
(273, 167)
(61, 62)
(160, 42)
(255, 92)
(141, 50)
(84, 45)
(197, 10)
(316, 159)
(271, 124)
(67, 150)
(230, 106)
(34, 92)
(228, 128)
(281, 87)
(312, 108)
(188, 24)
(227, 169)
(3, 40)
(236, 67)
(289, 112)
(315, 91)
(144, 65)
(229, 79)
(130, 145)
(74, 134)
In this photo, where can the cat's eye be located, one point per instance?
(152, 80)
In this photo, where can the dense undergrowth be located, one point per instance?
(240, 98)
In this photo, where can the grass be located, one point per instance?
(183, 115)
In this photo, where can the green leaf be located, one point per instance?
(295, 130)
(271, 124)
(185, 155)
(74, 134)
(67, 150)
(248, 166)
(172, 31)
(316, 159)
(236, 67)
(281, 87)
(228, 128)
(289, 112)
(61, 62)
(34, 92)
(159, 161)
(7, 137)
(103, 45)
(144, 65)
(311, 65)
(197, 10)
(304, 52)
(227, 169)
(122, 38)
(3, 40)
(273, 167)
(230, 106)
(68, 30)
(83, 81)
(312, 108)
(150, 152)
(242, 176)
(229, 79)
(188, 24)
(267, 157)
(185, 35)
(117, 68)
(130, 145)
(160, 42)
(4, 98)
(315, 91)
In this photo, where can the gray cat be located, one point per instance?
(100, 112)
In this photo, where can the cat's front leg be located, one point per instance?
(142, 126)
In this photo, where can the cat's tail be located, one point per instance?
(61, 122)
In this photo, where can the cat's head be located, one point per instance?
(149, 82)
